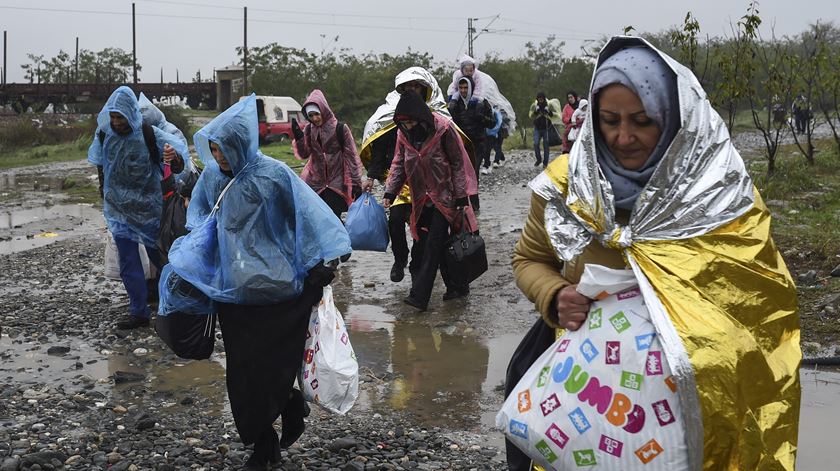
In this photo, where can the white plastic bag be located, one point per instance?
(112, 260)
(603, 395)
(329, 376)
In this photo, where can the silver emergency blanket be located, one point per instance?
(384, 115)
(700, 184)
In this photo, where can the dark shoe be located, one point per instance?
(455, 293)
(293, 415)
(397, 272)
(132, 322)
(344, 257)
(537, 163)
(415, 303)
(255, 463)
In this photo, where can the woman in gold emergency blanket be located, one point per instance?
(653, 184)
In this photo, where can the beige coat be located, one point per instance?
(538, 271)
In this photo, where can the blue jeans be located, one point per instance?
(131, 272)
(541, 134)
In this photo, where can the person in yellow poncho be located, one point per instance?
(653, 184)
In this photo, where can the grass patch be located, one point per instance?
(74, 150)
(282, 151)
(82, 190)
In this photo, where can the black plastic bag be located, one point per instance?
(538, 339)
(554, 137)
(190, 336)
(173, 224)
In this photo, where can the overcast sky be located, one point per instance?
(193, 34)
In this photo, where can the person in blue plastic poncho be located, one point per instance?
(132, 157)
(266, 271)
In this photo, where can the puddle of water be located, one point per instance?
(73, 219)
(33, 182)
(819, 416)
(29, 363)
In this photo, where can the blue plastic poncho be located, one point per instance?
(131, 189)
(270, 228)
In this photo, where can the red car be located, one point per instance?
(275, 115)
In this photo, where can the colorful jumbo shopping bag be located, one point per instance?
(603, 396)
(329, 375)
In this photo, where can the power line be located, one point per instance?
(217, 18)
(311, 13)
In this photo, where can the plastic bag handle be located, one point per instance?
(227, 187)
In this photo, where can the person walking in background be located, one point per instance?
(431, 158)
(274, 242)
(541, 112)
(493, 138)
(473, 115)
(334, 170)
(578, 117)
(568, 110)
(130, 157)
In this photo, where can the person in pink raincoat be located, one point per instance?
(431, 158)
(568, 110)
(334, 169)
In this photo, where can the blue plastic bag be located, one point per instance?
(366, 224)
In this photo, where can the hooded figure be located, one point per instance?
(333, 171)
(377, 153)
(577, 119)
(272, 229)
(484, 88)
(131, 169)
(432, 160)
(262, 262)
(687, 220)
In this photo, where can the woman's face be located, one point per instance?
(219, 156)
(315, 118)
(628, 131)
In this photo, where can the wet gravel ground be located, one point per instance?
(81, 396)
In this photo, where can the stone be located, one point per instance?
(10, 464)
(42, 459)
(58, 350)
(354, 466)
(127, 377)
(808, 278)
(140, 352)
(113, 457)
(119, 410)
(343, 443)
(836, 271)
(145, 423)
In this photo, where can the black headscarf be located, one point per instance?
(412, 106)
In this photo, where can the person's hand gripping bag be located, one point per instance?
(601, 397)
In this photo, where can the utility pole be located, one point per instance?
(177, 77)
(245, 56)
(161, 75)
(470, 33)
(4, 58)
(76, 72)
(134, 45)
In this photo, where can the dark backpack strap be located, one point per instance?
(339, 134)
(151, 143)
(101, 137)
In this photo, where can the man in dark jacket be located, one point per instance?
(541, 112)
(473, 116)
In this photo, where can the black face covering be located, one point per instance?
(412, 106)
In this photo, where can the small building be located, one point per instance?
(229, 86)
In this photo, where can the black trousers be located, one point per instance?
(433, 229)
(264, 349)
(397, 219)
(334, 201)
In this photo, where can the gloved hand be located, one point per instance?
(296, 129)
(462, 202)
(320, 275)
(549, 113)
(357, 191)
